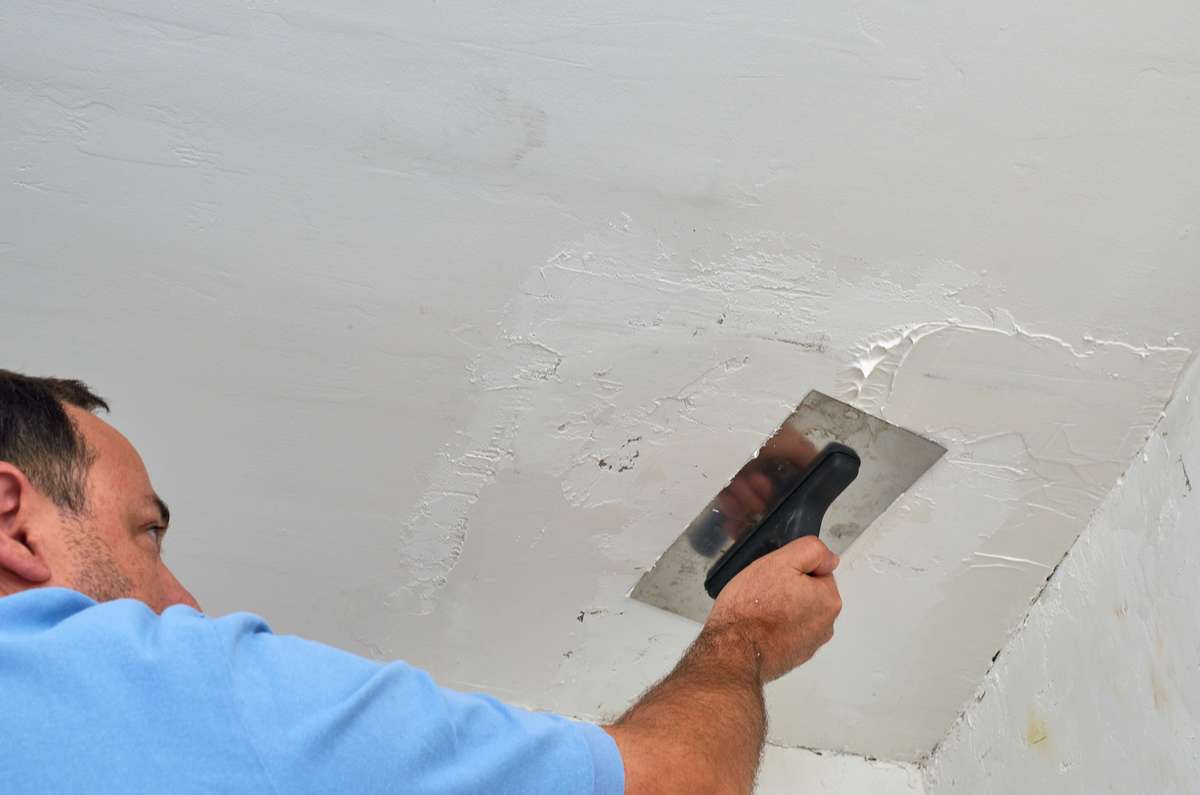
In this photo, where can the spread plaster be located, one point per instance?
(436, 325)
(1097, 691)
(580, 393)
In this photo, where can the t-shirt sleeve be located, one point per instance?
(324, 720)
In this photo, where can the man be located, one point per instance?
(111, 680)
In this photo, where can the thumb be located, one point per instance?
(827, 566)
(809, 555)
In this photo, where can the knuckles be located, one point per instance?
(810, 544)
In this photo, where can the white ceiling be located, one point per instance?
(377, 289)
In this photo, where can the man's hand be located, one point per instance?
(783, 605)
(702, 728)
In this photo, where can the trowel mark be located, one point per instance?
(435, 533)
(1012, 559)
(871, 376)
(873, 371)
(654, 417)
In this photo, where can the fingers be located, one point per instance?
(809, 555)
(827, 566)
(833, 597)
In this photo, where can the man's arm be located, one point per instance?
(701, 729)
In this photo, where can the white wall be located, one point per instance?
(1099, 691)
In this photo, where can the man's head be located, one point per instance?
(76, 506)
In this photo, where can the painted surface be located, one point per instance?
(1098, 690)
(437, 324)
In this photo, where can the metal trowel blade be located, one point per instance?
(892, 461)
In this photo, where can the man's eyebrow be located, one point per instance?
(163, 510)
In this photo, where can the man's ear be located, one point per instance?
(17, 556)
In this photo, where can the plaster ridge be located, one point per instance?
(874, 353)
(1041, 459)
(1011, 559)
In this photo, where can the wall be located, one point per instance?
(437, 322)
(1099, 689)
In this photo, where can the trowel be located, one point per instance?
(829, 471)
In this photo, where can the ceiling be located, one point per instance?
(383, 295)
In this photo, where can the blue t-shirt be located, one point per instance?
(113, 698)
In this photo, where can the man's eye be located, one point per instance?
(158, 532)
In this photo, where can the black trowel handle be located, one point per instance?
(798, 514)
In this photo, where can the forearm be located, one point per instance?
(701, 729)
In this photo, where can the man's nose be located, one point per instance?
(175, 593)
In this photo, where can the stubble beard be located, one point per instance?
(97, 574)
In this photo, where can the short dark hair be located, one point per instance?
(38, 437)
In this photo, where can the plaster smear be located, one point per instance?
(630, 379)
(1037, 433)
(1097, 691)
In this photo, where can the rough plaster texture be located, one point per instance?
(437, 324)
(1099, 690)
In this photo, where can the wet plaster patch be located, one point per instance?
(636, 377)
(1038, 430)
